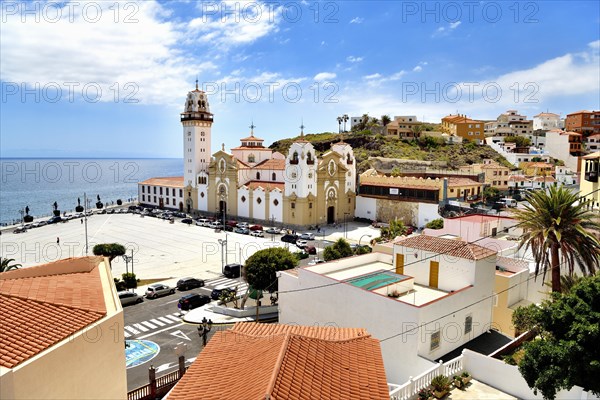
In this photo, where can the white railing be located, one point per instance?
(410, 389)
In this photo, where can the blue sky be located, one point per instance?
(397, 58)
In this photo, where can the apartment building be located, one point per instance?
(565, 146)
(546, 121)
(496, 175)
(584, 122)
(467, 128)
(589, 186)
(404, 127)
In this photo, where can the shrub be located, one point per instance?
(435, 224)
(440, 383)
(130, 280)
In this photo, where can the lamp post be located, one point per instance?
(223, 243)
(86, 204)
(346, 225)
(367, 235)
(203, 328)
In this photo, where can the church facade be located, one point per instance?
(253, 182)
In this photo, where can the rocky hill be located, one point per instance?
(368, 145)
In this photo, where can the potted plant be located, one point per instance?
(56, 211)
(79, 207)
(99, 204)
(441, 386)
(466, 377)
(119, 202)
(457, 381)
(425, 394)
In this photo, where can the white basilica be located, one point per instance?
(252, 181)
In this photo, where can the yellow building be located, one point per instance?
(510, 292)
(61, 332)
(588, 184)
(496, 175)
(404, 127)
(467, 128)
(537, 168)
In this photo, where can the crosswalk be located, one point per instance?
(242, 287)
(151, 324)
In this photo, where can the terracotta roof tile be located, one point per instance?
(325, 332)
(285, 366)
(452, 247)
(455, 181)
(272, 163)
(170, 181)
(265, 185)
(42, 305)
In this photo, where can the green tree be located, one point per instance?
(110, 250)
(340, 249)
(395, 229)
(130, 280)
(437, 223)
(6, 264)
(521, 141)
(566, 352)
(385, 119)
(491, 193)
(396, 171)
(261, 268)
(559, 231)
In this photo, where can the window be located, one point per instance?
(243, 199)
(294, 175)
(143, 197)
(143, 189)
(274, 176)
(435, 341)
(160, 190)
(468, 323)
(155, 199)
(275, 202)
(259, 200)
(154, 189)
(258, 176)
(180, 192)
(293, 205)
(309, 205)
(167, 200)
(349, 200)
(251, 158)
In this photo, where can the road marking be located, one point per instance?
(162, 330)
(181, 335)
(166, 320)
(164, 367)
(173, 317)
(157, 322)
(148, 324)
(127, 335)
(174, 301)
(141, 327)
(133, 331)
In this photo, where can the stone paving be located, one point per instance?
(480, 391)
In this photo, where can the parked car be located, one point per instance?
(242, 225)
(157, 290)
(54, 220)
(229, 228)
(273, 231)
(257, 233)
(289, 238)
(188, 221)
(307, 236)
(20, 229)
(215, 225)
(243, 231)
(232, 223)
(189, 283)
(256, 228)
(232, 270)
(202, 222)
(39, 223)
(128, 298)
(301, 243)
(192, 300)
(219, 290)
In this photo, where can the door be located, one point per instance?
(400, 264)
(434, 271)
(181, 206)
(222, 209)
(161, 203)
(330, 215)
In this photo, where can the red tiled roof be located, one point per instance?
(252, 138)
(170, 181)
(316, 332)
(257, 148)
(452, 247)
(284, 366)
(272, 164)
(42, 305)
(518, 178)
(265, 185)
(455, 181)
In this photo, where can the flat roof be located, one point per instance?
(376, 280)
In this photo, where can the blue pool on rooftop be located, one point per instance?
(375, 280)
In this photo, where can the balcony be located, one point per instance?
(591, 176)
(196, 116)
(294, 161)
(308, 161)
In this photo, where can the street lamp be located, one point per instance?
(223, 243)
(346, 225)
(367, 235)
(203, 329)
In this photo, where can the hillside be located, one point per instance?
(425, 149)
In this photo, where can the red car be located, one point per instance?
(256, 228)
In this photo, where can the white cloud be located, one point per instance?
(357, 20)
(148, 51)
(455, 25)
(445, 30)
(324, 76)
(418, 68)
(373, 76)
(594, 45)
(323, 43)
(353, 59)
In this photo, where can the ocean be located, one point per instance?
(39, 182)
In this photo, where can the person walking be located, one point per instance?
(57, 240)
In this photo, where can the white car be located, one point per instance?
(215, 225)
(307, 236)
(301, 243)
(257, 233)
(129, 298)
(243, 225)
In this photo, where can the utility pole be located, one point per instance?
(85, 202)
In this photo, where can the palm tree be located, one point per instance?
(5, 264)
(559, 231)
(385, 119)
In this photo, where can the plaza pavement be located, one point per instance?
(161, 250)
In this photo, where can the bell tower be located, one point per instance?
(197, 122)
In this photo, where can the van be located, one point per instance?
(232, 270)
(508, 202)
